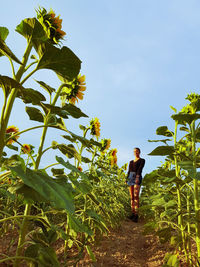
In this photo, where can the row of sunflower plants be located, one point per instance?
(171, 192)
(68, 203)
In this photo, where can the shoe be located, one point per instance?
(135, 218)
(132, 216)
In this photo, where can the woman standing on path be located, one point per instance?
(134, 180)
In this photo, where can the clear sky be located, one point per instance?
(139, 57)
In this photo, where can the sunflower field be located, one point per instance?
(72, 202)
(171, 193)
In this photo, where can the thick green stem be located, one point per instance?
(177, 169)
(188, 229)
(39, 155)
(22, 234)
(12, 97)
(196, 190)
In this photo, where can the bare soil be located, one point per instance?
(127, 247)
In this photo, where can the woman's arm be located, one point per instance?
(139, 170)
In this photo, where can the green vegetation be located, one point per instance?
(78, 201)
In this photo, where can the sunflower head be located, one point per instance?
(80, 169)
(188, 109)
(105, 145)
(11, 130)
(74, 90)
(113, 157)
(51, 24)
(95, 127)
(113, 152)
(26, 149)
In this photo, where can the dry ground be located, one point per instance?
(127, 247)
(122, 247)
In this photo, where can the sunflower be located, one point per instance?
(51, 24)
(11, 130)
(26, 149)
(80, 169)
(113, 152)
(95, 127)
(74, 90)
(113, 157)
(105, 145)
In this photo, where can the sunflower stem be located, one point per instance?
(11, 99)
(39, 155)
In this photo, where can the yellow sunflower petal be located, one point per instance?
(82, 88)
(80, 95)
(81, 79)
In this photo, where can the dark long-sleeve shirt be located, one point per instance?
(136, 166)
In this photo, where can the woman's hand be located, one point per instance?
(137, 181)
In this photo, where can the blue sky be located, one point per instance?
(139, 57)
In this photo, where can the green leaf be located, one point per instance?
(85, 160)
(56, 110)
(32, 251)
(30, 195)
(5, 51)
(3, 33)
(69, 151)
(90, 253)
(12, 147)
(78, 226)
(163, 130)
(159, 202)
(7, 84)
(83, 140)
(74, 111)
(83, 185)
(164, 234)
(186, 165)
(71, 167)
(47, 87)
(47, 257)
(183, 118)
(57, 171)
(63, 61)
(95, 143)
(173, 261)
(162, 140)
(69, 138)
(30, 96)
(170, 203)
(34, 114)
(162, 151)
(174, 109)
(46, 187)
(33, 31)
(183, 128)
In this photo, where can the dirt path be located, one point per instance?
(127, 247)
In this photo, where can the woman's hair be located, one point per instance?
(137, 149)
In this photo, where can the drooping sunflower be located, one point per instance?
(74, 90)
(113, 157)
(11, 130)
(26, 149)
(113, 152)
(95, 127)
(105, 145)
(51, 24)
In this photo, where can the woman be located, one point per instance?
(134, 180)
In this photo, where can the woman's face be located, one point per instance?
(136, 152)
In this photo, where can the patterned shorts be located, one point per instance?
(131, 179)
